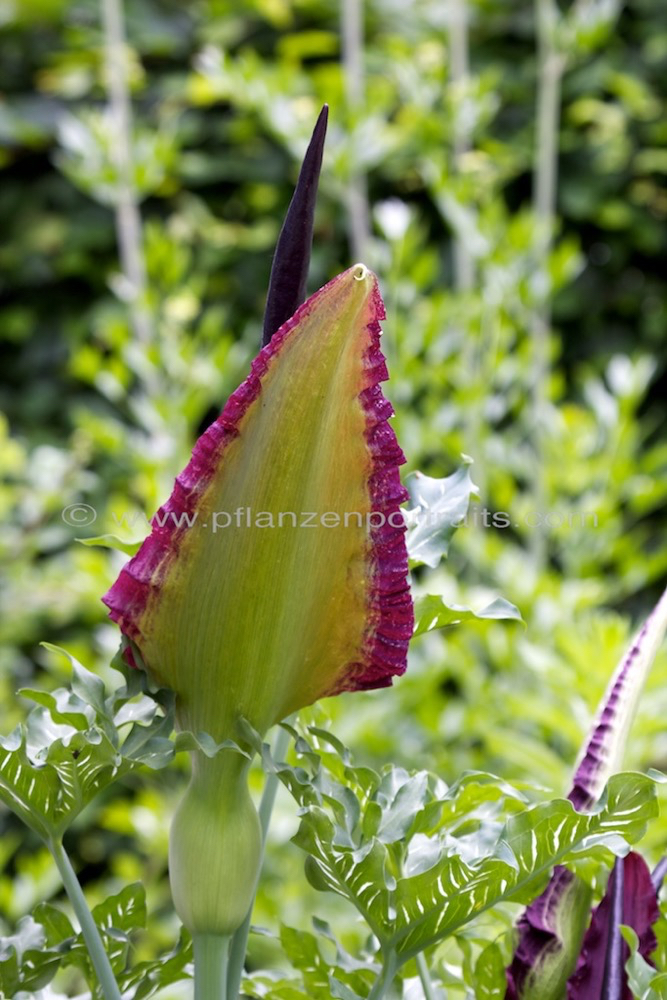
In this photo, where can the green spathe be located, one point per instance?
(258, 619)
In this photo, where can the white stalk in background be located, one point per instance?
(473, 349)
(464, 271)
(128, 218)
(551, 65)
(358, 215)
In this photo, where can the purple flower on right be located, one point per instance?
(560, 950)
(631, 899)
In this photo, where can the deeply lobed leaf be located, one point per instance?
(412, 898)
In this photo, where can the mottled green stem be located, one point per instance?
(211, 952)
(239, 944)
(91, 934)
(425, 977)
(385, 979)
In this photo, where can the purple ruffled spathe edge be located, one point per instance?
(390, 604)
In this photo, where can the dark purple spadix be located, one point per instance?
(613, 966)
(630, 899)
(289, 272)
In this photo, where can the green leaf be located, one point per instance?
(359, 875)
(399, 811)
(112, 542)
(71, 746)
(25, 963)
(434, 905)
(431, 612)
(439, 507)
(264, 986)
(63, 705)
(116, 917)
(339, 991)
(47, 782)
(490, 979)
(147, 979)
(324, 976)
(86, 693)
(88, 686)
(56, 924)
(429, 903)
(186, 741)
(644, 981)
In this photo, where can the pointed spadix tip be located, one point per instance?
(289, 272)
(322, 120)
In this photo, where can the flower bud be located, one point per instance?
(276, 573)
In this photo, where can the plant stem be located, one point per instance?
(128, 218)
(91, 934)
(210, 951)
(272, 781)
(385, 979)
(424, 976)
(239, 943)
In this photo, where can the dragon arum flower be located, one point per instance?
(554, 952)
(631, 899)
(268, 614)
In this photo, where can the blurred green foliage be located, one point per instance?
(224, 98)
